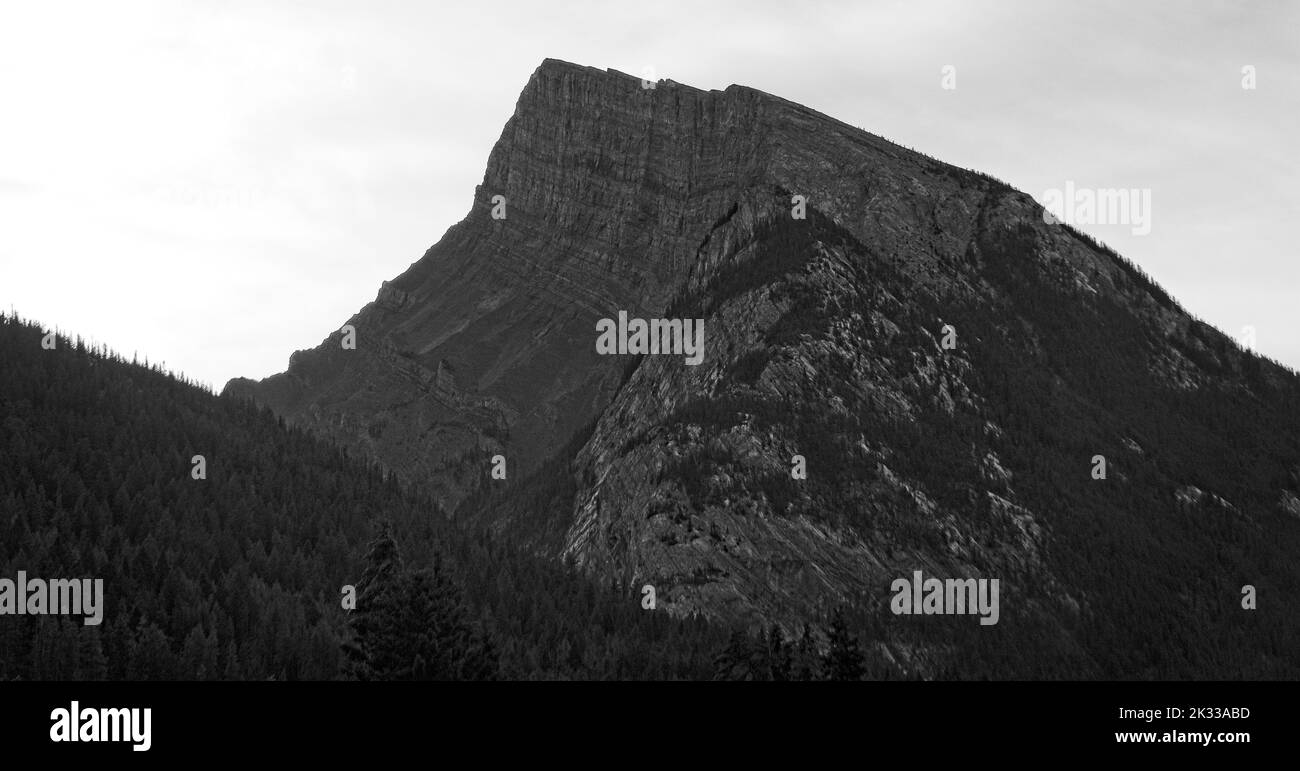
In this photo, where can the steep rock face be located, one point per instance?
(825, 338)
(608, 190)
(822, 349)
(611, 194)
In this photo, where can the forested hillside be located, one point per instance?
(238, 575)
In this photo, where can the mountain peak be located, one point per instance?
(867, 309)
(558, 68)
(600, 195)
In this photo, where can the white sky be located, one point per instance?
(217, 185)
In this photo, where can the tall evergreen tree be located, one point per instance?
(436, 639)
(91, 663)
(735, 661)
(371, 623)
(414, 625)
(844, 659)
(779, 659)
(806, 662)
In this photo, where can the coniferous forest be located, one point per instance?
(239, 575)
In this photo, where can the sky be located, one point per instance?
(216, 185)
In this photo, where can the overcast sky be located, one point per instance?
(217, 185)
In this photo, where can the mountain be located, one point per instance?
(946, 364)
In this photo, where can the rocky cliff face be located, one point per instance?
(615, 196)
(485, 344)
(945, 365)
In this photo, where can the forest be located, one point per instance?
(239, 575)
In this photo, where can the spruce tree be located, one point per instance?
(779, 659)
(806, 661)
(734, 662)
(92, 664)
(435, 638)
(369, 646)
(413, 625)
(844, 659)
(232, 671)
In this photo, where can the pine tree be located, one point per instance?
(42, 664)
(844, 659)
(151, 656)
(233, 670)
(414, 625)
(806, 662)
(199, 654)
(371, 623)
(779, 655)
(92, 664)
(435, 639)
(734, 661)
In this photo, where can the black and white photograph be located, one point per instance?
(658, 359)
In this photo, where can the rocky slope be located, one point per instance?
(611, 190)
(825, 339)
(484, 345)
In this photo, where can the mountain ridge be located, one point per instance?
(824, 342)
(613, 283)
